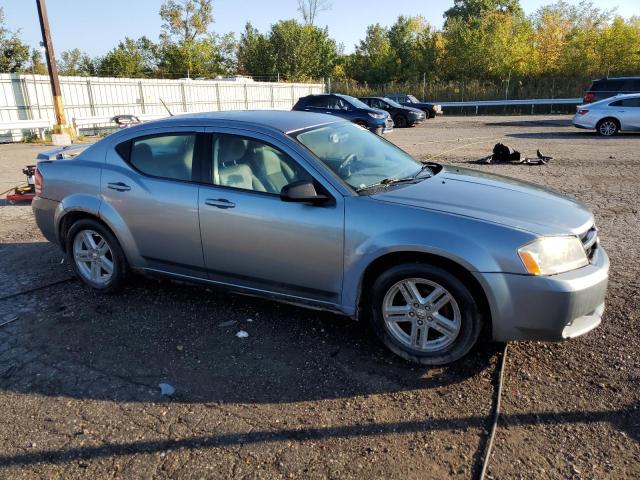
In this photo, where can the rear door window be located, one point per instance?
(165, 156)
(318, 102)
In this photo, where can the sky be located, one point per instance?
(96, 26)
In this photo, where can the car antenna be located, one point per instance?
(165, 106)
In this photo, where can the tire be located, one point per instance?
(459, 317)
(104, 269)
(401, 121)
(427, 115)
(362, 123)
(608, 127)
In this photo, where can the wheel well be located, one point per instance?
(71, 218)
(609, 118)
(379, 265)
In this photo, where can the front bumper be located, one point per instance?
(554, 308)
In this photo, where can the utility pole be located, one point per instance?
(61, 125)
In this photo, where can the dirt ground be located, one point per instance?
(309, 394)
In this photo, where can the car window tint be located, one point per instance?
(250, 164)
(318, 102)
(617, 103)
(631, 102)
(167, 156)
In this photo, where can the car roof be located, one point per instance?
(281, 120)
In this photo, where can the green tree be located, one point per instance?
(76, 63)
(254, 54)
(471, 9)
(37, 65)
(373, 58)
(493, 46)
(294, 51)
(131, 58)
(14, 54)
(187, 47)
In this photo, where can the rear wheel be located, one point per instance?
(424, 314)
(96, 256)
(607, 127)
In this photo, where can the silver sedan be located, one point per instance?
(316, 211)
(611, 115)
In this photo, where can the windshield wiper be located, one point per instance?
(386, 182)
(394, 181)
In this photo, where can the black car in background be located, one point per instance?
(349, 108)
(402, 116)
(610, 87)
(406, 100)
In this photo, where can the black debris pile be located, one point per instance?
(505, 154)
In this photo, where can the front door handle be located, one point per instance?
(119, 186)
(219, 203)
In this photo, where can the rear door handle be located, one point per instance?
(219, 203)
(119, 187)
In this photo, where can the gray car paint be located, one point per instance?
(317, 255)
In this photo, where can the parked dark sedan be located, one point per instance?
(402, 116)
(349, 108)
(430, 109)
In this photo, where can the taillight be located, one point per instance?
(38, 182)
(582, 111)
(588, 98)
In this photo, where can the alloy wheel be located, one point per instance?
(421, 314)
(93, 257)
(608, 128)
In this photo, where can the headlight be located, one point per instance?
(551, 255)
(377, 116)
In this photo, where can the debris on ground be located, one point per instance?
(242, 334)
(504, 154)
(166, 390)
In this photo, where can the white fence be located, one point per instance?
(28, 97)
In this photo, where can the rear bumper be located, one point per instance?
(552, 308)
(44, 211)
(582, 121)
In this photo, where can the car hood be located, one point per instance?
(496, 199)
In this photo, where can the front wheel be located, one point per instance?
(424, 314)
(96, 256)
(400, 121)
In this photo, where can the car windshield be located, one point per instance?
(361, 158)
(393, 103)
(413, 99)
(355, 102)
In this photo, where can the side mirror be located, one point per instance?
(302, 191)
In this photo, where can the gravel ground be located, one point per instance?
(309, 394)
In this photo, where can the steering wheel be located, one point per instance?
(348, 161)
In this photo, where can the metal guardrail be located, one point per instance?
(39, 125)
(498, 103)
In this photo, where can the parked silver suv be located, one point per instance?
(313, 210)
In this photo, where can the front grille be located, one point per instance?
(589, 241)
